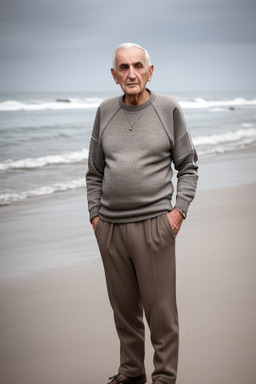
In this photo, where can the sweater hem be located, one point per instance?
(125, 220)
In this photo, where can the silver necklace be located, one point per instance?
(131, 125)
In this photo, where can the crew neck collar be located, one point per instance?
(139, 106)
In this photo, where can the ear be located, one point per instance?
(151, 70)
(114, 75)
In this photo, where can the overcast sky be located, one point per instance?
(195, 45)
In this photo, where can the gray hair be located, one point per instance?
(129, 46)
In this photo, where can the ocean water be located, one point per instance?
(44, 137)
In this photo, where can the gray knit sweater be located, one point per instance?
(132, 150)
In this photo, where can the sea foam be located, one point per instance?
(38, 162)
(94, 102)
(9, 198)
(225, 142)
(199, 103)
(37, 105)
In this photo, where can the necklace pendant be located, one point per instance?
(130, 128)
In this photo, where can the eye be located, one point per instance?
(138, 66)
(124, 67)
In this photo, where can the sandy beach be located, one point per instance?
(56, 322)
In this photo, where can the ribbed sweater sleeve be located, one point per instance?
(95, 173)
(184, 158)
(183, 153)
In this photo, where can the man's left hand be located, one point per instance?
(175, 219)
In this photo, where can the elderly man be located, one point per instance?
(135, 140)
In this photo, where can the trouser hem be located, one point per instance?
(164, 380)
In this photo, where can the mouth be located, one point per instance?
(132, 84)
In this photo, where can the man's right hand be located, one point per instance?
(95, 221)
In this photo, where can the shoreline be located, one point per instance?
(56, 323)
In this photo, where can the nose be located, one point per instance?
(131, 73)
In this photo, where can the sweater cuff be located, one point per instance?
(182, 212)
(182, 205)
(93, 214)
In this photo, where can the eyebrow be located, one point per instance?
(137, 62)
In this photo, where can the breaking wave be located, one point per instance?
(225, 142)
(9, 198)
(199, 103)
(37, 105)
(93, 103)
(38, 162)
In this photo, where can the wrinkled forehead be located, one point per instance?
(130, 55)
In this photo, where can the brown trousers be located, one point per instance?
(139, 263)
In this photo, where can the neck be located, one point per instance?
(137, 99)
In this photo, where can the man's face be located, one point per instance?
(132, 71)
